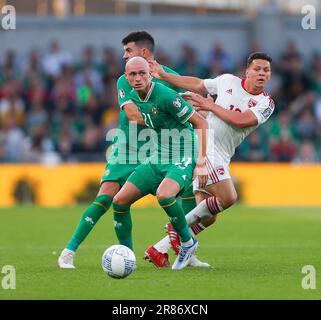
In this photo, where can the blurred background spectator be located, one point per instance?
(57, 107)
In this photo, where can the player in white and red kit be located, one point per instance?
(240, 107)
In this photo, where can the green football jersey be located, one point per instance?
(126, 144)
(165, 112)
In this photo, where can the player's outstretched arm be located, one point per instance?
(238, 119)
(133, 114)
(200, 126)
(188, 83)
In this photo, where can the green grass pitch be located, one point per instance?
(257, 254)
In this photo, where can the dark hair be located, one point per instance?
(258, 55)
(141, 38)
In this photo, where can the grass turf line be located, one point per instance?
(257, 254)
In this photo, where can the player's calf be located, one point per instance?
(227, 200)
(123, 224)
(173, 237)
(177, 217)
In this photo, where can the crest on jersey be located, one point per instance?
(220, 170)
(177, 103)
(107, 172)
(229, 91)
(121, 93)
(154, 111)
(252, 103)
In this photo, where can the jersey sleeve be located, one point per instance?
(123, 91)
(178, 107)
(211, 85)
(263, 110)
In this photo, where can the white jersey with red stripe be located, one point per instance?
(232, 95)
(223, 137)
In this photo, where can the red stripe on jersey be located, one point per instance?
(271, 104)
(271, 101)
(212, 169)
(210, 173)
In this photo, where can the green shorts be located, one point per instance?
(148, 176)
(117, 172)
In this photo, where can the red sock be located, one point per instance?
(213, 205)
(197, 228)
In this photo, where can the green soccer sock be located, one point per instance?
(188, 202)
(123, 225)
(176, 215)
(88, 220)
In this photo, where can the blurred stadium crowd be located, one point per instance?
(55, 107)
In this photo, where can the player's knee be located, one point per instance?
(162, 194)
(229, 200)
(120, 200)
(109, 188)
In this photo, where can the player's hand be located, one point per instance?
(200, 103)
(185, 96)
(201, 172)
(190, 96)
(156, 70)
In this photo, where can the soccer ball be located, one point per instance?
(118, 261)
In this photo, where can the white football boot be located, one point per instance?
(194, 262)
(66, 259)
(184, 256)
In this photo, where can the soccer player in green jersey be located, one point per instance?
(169, 170)
(123, 159)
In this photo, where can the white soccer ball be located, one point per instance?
(118, 261)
